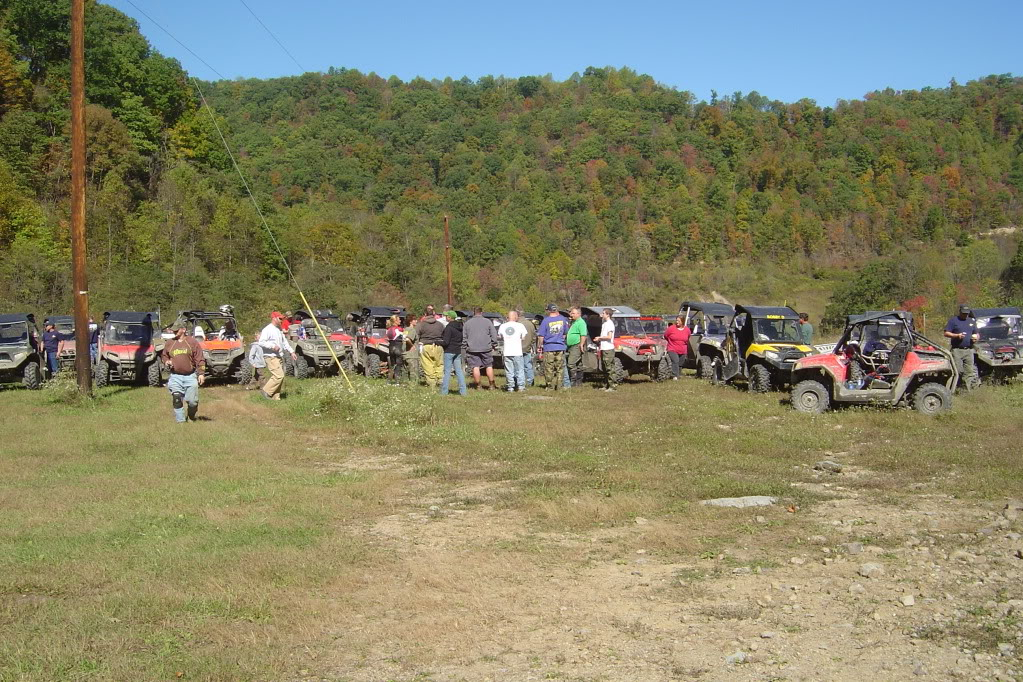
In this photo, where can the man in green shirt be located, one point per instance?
(805, 329)
(576, 342)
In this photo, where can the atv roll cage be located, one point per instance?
(706, 318)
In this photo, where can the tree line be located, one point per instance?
(607, 186)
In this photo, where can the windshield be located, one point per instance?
(211, 327)
(878, 335)
(655, 326)
(767, 330)
(1000, 327)
(128, 333)
(630, 326)
(16, 332)
(330, 324)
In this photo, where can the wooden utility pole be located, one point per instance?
(447, 260)
(83, 364)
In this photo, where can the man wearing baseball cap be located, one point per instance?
(962, 330)
(183, 357)
(551, 336)
(274, 345)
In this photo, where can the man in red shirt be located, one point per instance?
(677, 336)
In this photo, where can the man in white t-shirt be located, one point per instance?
(512, 333)
(607, 347)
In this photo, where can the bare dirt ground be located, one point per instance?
(870, 583)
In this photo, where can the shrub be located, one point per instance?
(374, 404)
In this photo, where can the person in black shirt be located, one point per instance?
(962, 330)
(451, 342)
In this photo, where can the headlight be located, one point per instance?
(985, 353)
(772, 355)
(18, 357)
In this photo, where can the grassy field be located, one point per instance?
(259, 542)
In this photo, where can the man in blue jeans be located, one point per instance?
(451, 344)
(183, 357)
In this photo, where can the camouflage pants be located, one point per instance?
(553, 366)
(607, 363)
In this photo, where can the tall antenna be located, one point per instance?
(83, 364)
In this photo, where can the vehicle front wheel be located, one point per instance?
(372, 365)
(32, 377)
(243, 375)
(663, 369)
(932, 399)
(302, 368)
(101, 374)
(705, 368)
(759, 379)
(618, 372)
(810, 397)
(154, 376)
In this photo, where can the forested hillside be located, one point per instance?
(604, 186)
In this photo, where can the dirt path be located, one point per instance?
(925, 589)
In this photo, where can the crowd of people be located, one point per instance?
(439, 345)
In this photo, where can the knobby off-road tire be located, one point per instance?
(855, 372)
(347, 362)
(32, 376)
(154, 375)
(243, 375)
(932, 399)
(101, 374)
(810, 397)
(372, 366)
(663, 369)
(759, 379)
(705, 368)
(303, 370)
(289, 366)
(618, 372)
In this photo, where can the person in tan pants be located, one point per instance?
(274, 344)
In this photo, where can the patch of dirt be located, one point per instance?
(481, 594)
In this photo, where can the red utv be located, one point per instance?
(880, 360)
(129, 349)
(371, 355)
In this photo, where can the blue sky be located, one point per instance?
(786, 50)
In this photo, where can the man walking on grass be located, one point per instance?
(183, 356)
(479, 337)
(513, 334)
(551, 334)
(274, 345)
(576, 342)
(607, 347)
(431, 355)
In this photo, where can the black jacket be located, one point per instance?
(451, 339)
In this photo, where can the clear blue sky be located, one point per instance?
(786, 50)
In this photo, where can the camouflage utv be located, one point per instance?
(129, 349)
(312, 356)
(708, 323)
(20, 356)
(1000, 349)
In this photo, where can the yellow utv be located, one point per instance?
(760, 348)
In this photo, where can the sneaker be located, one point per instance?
(674, 378)
(265, 394)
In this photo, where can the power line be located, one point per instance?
(279, 43)
(174, 38)
(266, 226)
